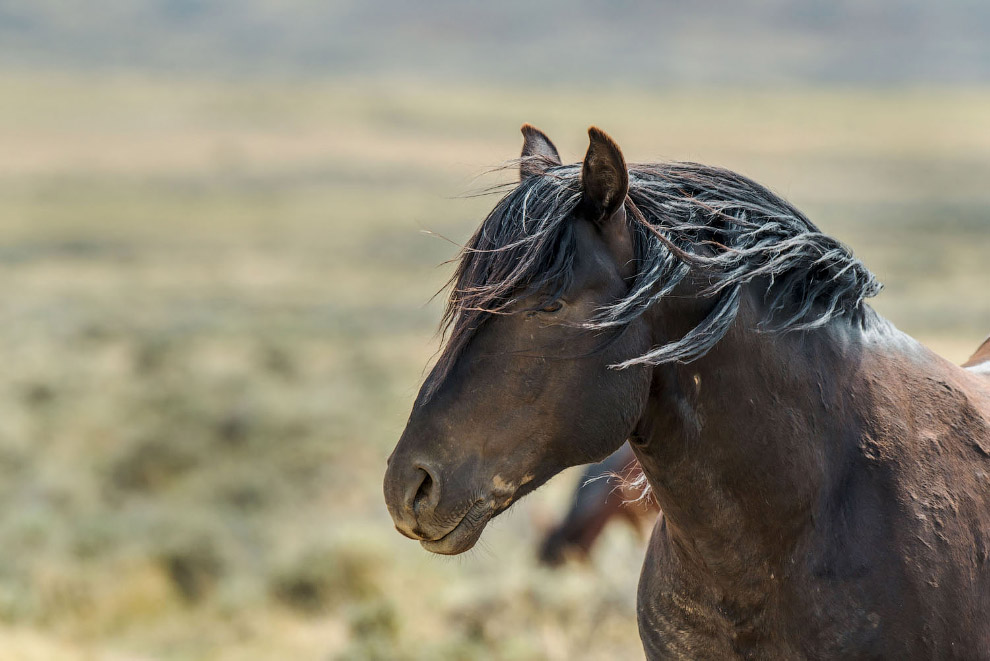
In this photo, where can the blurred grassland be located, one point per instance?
(217, 311)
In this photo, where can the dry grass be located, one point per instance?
(217, 314)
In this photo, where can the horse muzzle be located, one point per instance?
(442, 517)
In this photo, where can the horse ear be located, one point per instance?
(538, 153)
(604, 177)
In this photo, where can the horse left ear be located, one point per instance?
(604, 177)
(538, 153)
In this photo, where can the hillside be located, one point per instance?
(649, 43)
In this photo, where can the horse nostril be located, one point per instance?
(427, 490)
(424, 490)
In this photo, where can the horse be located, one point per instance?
(824, 478)
(607, 491)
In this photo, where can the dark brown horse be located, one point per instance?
(825, 479)
(607, 491)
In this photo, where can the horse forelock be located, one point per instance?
(524, 246)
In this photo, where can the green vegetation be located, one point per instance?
(217, 312)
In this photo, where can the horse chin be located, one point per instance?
(464, 535)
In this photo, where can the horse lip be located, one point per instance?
(406, 534)
(461, 537)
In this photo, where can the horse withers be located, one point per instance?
(824, 478)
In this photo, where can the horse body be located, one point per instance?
(825, 479)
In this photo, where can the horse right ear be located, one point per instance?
(538, 153)
(604, 177)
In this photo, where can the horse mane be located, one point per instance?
(684, 216)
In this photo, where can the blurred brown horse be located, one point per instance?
(610, 490)
(824, 478)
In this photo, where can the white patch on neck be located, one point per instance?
(980, 368)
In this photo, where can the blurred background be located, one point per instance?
(217, 286)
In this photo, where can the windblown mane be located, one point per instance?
(684, 216)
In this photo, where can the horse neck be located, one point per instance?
(741, 445)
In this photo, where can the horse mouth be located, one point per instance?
(464, 535)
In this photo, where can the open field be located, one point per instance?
(217, 311)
